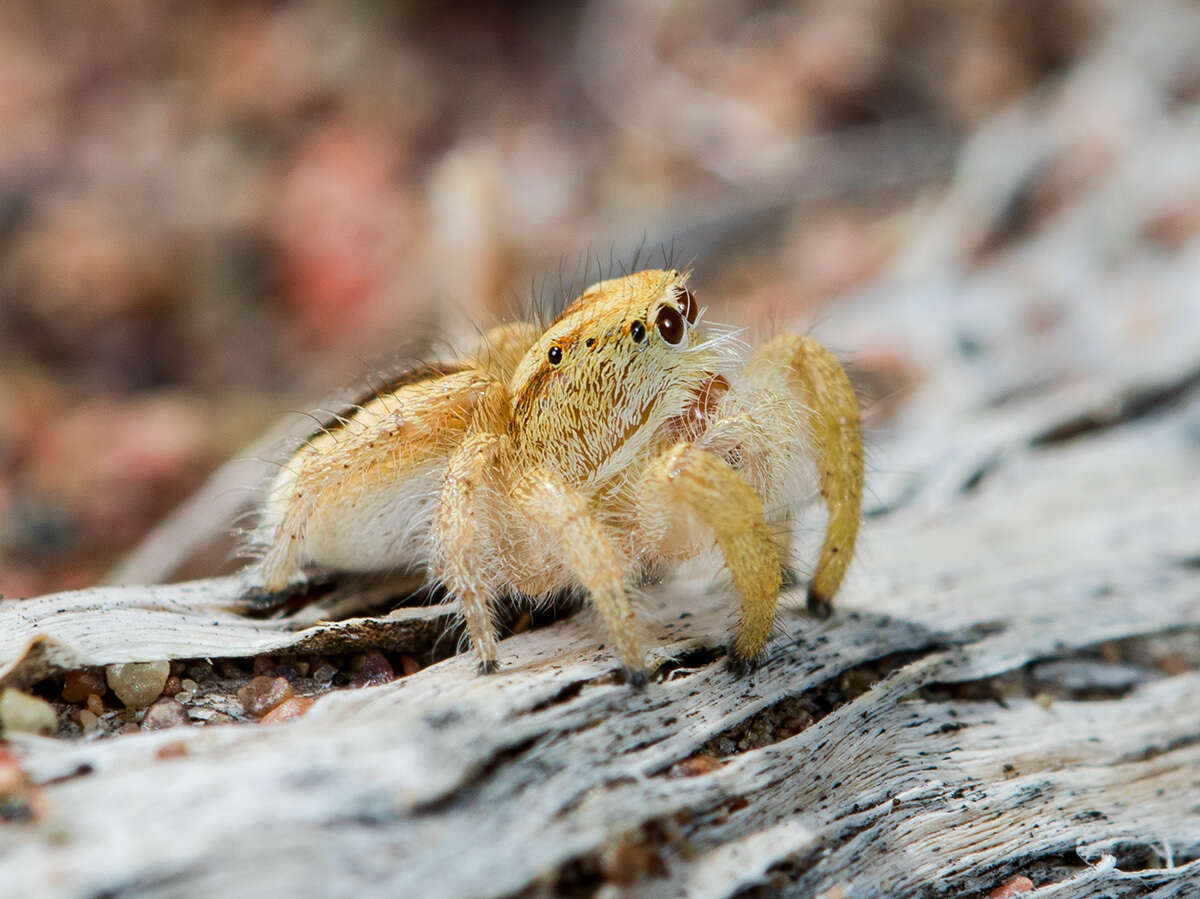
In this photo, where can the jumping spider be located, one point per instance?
(625, 436)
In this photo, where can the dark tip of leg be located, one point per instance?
(740, 665)
(488, 666)
(819, 606)
(636, 678)
(262, 600)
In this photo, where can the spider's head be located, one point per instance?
(614, 368)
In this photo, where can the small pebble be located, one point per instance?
(697, 765)
(166, 712)
(81, 684)
(625, 861)
(95, 705)
(173, 750)
(288, 709)
(12, 778)
(200, 671)
(137, 684)
(376, 669)
(19, 799)
(20, 712)
(189, 685)
(263, 694)
(264, 665)
(324, 674)
(1014, 886)
(88, 721)
(1174, 664)
(302, 668)
(228, 668)
(172, 686)
(409, 665)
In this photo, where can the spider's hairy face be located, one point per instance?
(618, 364)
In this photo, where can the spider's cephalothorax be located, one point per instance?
(624, 436)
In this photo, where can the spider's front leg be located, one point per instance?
(687, 480)
(561, 514)
(466, 559)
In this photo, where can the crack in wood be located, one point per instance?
(1132, 405)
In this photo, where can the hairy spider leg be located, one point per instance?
(465, 563)
(824, 390)
(687, 478)
(589, 553)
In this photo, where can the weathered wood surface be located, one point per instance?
(459, 785)
(1010, 685)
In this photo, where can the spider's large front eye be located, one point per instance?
(638, 332)
(687, 305)
(670, 324)
(555, 355)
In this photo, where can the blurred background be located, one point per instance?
(215, 212)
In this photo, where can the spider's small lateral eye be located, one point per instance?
(670, 324)
(555, 355)
(687, 305)
(638, 332)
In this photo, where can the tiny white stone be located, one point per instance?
(20, 712)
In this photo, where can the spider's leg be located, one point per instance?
(822, 388)
(349, 496)
(589, 553)
(688, 480)
(465, 560)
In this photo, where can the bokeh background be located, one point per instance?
(215, 212)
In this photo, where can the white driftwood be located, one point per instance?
(459, 785)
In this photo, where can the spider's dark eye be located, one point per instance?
(555, 355)
(670, 324)
(687, 305)
(638, 332)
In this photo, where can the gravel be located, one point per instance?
(137, 684)
(20, 712)
(166, 712)
(263, 693)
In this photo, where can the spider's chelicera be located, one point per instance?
(627, 435)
